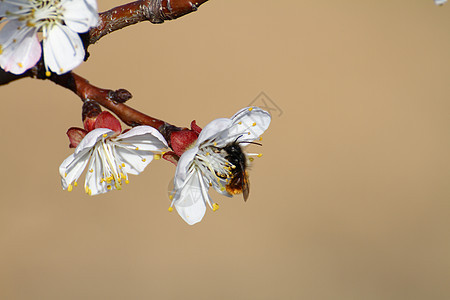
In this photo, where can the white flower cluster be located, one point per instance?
(212, 161)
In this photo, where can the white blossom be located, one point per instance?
(59, 21)
(206, 163)
(111, 157)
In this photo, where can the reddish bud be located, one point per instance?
(181, 140)
(106, 120)
(171, 156)
(195, 127)
(75, 136)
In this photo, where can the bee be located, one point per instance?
(238, 182)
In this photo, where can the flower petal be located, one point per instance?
(106, 120)
(182, 169)
(19, 47)
(250, 123)
(63, 49)
(135, 160)
(80, 15)
(214, 128)
(92, 138)
(144, 137)
(72, 167)
(189, 200)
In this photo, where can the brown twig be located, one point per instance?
(155, 11)
(113, 101)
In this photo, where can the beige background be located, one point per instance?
(351, 199)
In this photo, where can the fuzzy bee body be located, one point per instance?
(238, 181)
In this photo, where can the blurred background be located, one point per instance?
(351, 199)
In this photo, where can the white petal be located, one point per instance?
(92, 138)
(80, 15)
(63, 49)
(144, 137)
(183, 165)
(72, 167)
(248, 124)
(135, 161)
(20, 48)
(93, 176)
(213, 129)
(189, 201)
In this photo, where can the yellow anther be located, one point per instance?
(233, 167)
(75, 183)
(91, 170)
(102, 180)
(210, 184)
(254, 124)
(215, 206)
(105, 135)
(69, 188)
(123, 176)
(137, 148)
(259, 155)
(108, 187)
(65, 175)
(20, 65)
(1, 49)
(109, 179)
(48, 73)
(260, 138)
(207, 153)
(248, 133)
(170, 209)
(240, 123)
(171, 197)
(14, 41)
(127, 182)
(215, 144)
(157, 156)
(144, 160)
(61, 70)
(250, 109)
(251, 159)
(222, 189)
(123, 165)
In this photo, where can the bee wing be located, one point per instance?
(245, 185)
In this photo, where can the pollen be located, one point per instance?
(207, 153)
(69, 188)
(105, 135)
(20, 65)
(61, 70)
(123, 165)
(254, 124)
(240, 123)
(144, 160)
(170, 209)
(250, 109)
(108, 187)
(48, 73)
(260, 138)
(75, 183)
(91, 170)
(215, 206)
(65, 175)
(127, 181)
(171, 197)
(157, 156)
(137, 148)
(1, 49)
(251, 159)
(215, 144)
(259, 155)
